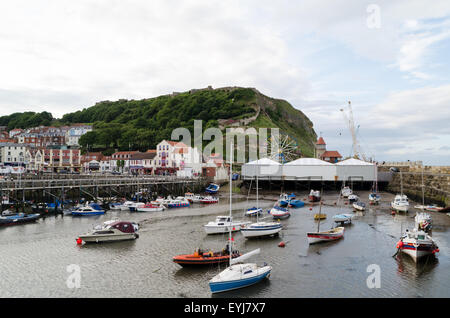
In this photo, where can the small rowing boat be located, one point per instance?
(200, 257)
(326, 236)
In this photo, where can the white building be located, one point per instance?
(12, 154)
(356, 170)
(264, 168)
(309, 169)
(172, 156)
(75, 132)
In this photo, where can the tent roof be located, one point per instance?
(354, 162)
(309, 162)
(264, 161)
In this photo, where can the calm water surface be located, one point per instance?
(34, 257)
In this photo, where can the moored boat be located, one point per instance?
(400, 203)
(201, 257)
(278, 212)
(212, 188)
(314, 196)
(374, 198)
(253, 211)
(209, 200)
(353, 198)
(343, 218)
(223, 224)
(346, 191)
(149, 207)
(91, 209)
(360, 206)
(260, 229)
(9, 218)
(179, 202)
(417, 244)
(112, 232)
(325, 236)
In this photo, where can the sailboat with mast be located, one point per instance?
(260, 228)
(325, 236)
(374, 197)
(238, 275)
(400, 203)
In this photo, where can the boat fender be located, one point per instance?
(282, 244)
(399, 244)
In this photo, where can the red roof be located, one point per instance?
(320, 141)
(331, 154)
(151, 151)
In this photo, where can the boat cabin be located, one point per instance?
(124, 227)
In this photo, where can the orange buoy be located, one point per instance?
(79, 241)
(282, 244)
(393, 212)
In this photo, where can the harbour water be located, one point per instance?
(34, 257)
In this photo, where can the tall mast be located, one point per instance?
(257, 172)
(231, 189)
(423, 192)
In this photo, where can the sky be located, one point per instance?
(389, 58)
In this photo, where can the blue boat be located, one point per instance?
(8, 218)
(296, 203)
(253, 211)
(212, 188)
(92, 209)
(238, 276)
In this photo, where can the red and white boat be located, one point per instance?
(417, 244)
(326, 236)
(209, 200)
(149, 207)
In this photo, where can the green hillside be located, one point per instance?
(141, 124)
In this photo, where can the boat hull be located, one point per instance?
(191, 260)
(400, 208)
(19, 220)
(158, 209)
(77, 213)
(220, 229)
(109, 237)
(318, 237)
(219, 287)
(313, 198)
(249, 232)
(417, 251)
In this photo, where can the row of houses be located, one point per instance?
(169, 157)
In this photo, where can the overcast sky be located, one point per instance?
(390, 58)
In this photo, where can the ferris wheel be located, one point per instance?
(282, 148)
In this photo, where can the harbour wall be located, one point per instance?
(436, 181)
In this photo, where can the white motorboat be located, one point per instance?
(91, 209)
(115, 206)
(115, 231)
(400, 203)
(346, 191)
(223, 224)
(417, 244)
(360, 206)
(128, 206)
(353, 198)
(149, 207)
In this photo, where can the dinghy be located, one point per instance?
(346, 191)
(9, 218)
(326, 236)
(343, 218)
(209, 200)
(212, 188)
(353, 198)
